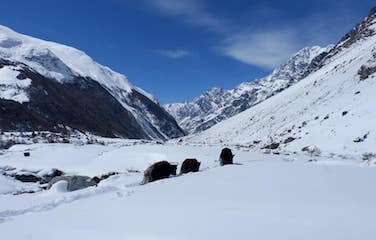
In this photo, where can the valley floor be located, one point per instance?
(262, 197)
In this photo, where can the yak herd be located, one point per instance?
(157, 171)
(164, 169)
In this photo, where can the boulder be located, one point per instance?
(312, 150)
(289, 139)
(271, 146)
(107, 175)
(27, 177)
(74, 183)
(49, 175)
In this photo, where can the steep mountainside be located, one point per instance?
(49, 86)
(332, 109)
(217, 104)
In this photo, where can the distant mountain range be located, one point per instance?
(218, 104)
(49, 86)
(332, 109)
(321, 98)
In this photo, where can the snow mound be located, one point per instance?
(59, 187)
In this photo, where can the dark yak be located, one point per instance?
(226, 157)
(159, 170)
(190, 165)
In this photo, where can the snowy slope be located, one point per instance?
(12, 88)
(332, 109)
(65, 64)
(217, 104)
(267, 197)
(56, 60)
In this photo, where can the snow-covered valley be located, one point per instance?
(86, 154)
(263, 196)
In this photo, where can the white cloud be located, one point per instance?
(190, 11)
(266, 49)
(174, 53)
(265, 45)
(261, 48)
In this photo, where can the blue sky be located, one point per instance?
(176, 49)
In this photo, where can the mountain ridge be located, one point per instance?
(331, 110)
(217, 104)
(22, 54)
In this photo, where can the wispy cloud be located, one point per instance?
(174, 53)
(266, 49)
(262, 43)
(189, 11)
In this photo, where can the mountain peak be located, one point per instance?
(139, 114)
(20, 48)
(361, 31)
(216, 104)
(215, 91)
(372, 12)
(329, 110)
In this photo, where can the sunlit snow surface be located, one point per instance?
(18, 47)
(331, 109)
(266, 197)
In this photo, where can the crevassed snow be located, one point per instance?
(12, 88)
(267, 197)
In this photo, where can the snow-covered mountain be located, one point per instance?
(332, 109)
(49, 86)
(217, 104)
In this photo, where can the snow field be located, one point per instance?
(266, 197)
